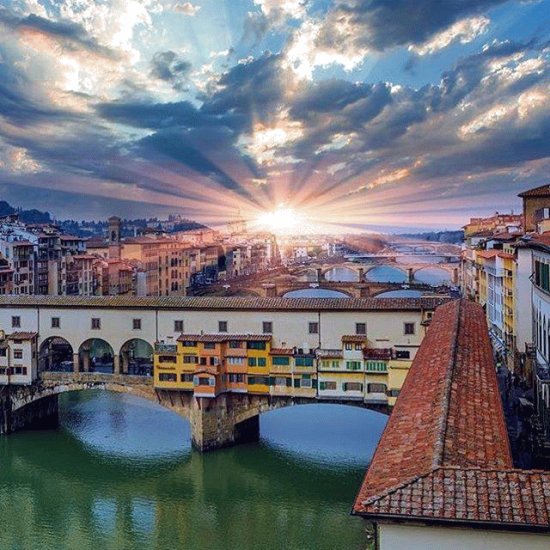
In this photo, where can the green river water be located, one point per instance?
(119, 473)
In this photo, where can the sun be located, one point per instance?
(281, 221)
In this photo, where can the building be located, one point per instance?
(368, 366)
(535, 202)
(254, 345)
(442, 475)
(18, 358)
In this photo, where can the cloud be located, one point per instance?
(67, 34)
(187, 8)
(171, 68)
(463, 31)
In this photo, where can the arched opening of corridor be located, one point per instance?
(96, 355)
(136, 357)
(55, 355)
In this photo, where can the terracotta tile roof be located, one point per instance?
(281, 351)
(330, 353)
(22, 335)
(226, 303)
(357, 338)
(224, 337)
(542, 191)
(445, 455)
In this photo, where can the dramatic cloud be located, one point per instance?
(307, 103)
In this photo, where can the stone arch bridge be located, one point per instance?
(228, 419)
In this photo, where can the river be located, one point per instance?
(119, 473)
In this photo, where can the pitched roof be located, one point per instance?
(281, 351)
(445, 455)
(541, 191)
(223, 337)
(225, 303)
(22, 335)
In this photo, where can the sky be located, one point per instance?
(385, 115)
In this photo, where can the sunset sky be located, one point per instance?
(375, 114)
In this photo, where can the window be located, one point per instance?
(281, 361)
(281, 381)
(136, 324)
(327, 386)
(348, 346)
(178, 326)
(56, 322)
(353, 365)
(267, 327)
(96, 323)
(393, 393)
(258, 380)
(235, 344)
(262, 362)
(167, 359)
(304, 361)
(376, 388)
(18, 354)
(236, 378)
(3, 352)
(209, 345)
(361, 328)
(408, 328)
(376, 366)
(254, 344)
(235, 360)
(16, 321)
(19, 370)
(190, 359)
(189, 344)
(358, 347)
(353, 386)
(186, 378)
(251, 361)
(305, 383)
(402, 354)
(222, 326)
(167, 377)
(314, 328)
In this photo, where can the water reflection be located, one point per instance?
(432, 276)
(386, 274)
(341, 274)
(128, 484)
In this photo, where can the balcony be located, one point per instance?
(161, 347)
(381, 354)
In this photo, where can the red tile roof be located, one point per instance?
(542, 191)
(281, 351)
(357, 338)
(22, 335)
(223, 337)
(226, 303)
(445, 455)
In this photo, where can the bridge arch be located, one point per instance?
(97, 355)
(136, 357)
(56, 354)
(440, 274)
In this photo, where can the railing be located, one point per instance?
(165, 348)
(380, 354)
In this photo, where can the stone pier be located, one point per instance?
(217, 423)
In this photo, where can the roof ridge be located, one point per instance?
(399, 486)
(439, 448)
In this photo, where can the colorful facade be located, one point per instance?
(210, 364)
